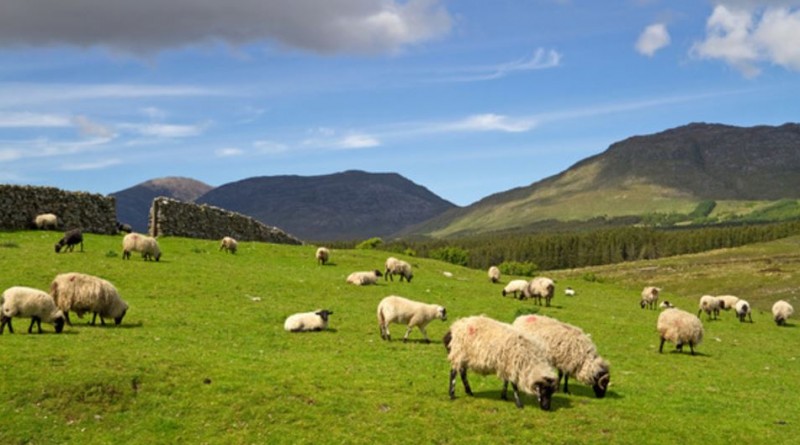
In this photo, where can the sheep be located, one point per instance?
(488, 346)
(515, 286)
(711, 305)
(570, 292)
(136, 242)
(679, 327)
(46, 221)
(650, 297)
(229, 244)
(70, 239)
(87, 293)
(394, 309)
(538, 288)
(364, 278)
(728, 302)
(23, 302)
(399, 267)
(494, 274)
(570, 350)
(742, 309)
(666, 305)
(308, 321)
(323, 255)
(781, 311)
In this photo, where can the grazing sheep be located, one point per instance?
(570, 350)
(494, 274)
(538, 288)
(70, 239)
(136, 242)
(570, 292)
(650, 297)
(308, 321)
(781, 311)
(727, 302)
(679, 327)
(86, 293)
(364, 278)
(323, 255)
(23, 302)
(515, 286)
(228, 244)
(46, 221)
(743, 309)
(122, 227)
(711, 305)
(399, 267)
(488, 346)
(394, 309)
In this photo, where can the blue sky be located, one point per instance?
(467, 98)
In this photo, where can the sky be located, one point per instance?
(465, 97)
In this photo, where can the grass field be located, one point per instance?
(201, 356)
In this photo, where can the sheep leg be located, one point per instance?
(408, 331)
(691, 348)
(661, 347)
(37, 321)
(5, 321)
(566, 381)
(504, 392)
(66, 318)
(517, 400)
(425, 334)
(465, 382)
(94, 318)
(453, 373)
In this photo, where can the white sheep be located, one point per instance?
(229, 244)
(24, 302)
(136, 242)
(488, 346)
(649, 297)
(399, 267)
(666, 305)
(494, 274)
(570, 350)
(728, 302)
(394, 309)
(514, 287)
(743, 310)
(364, 278)
(308, 321)
(781, 311)
(679, 327)
(323, 255)
(570, 292)
(46, 221)
(82, 293)
(538, 288)
(710, 305)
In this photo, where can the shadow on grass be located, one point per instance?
(111, 325)
(687, 353)
(558, 401)
(587, 392)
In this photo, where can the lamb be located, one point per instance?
(679, 327)
(488, 346)
(781, 311)
(650, 297)
(494, 274)
(308, 321)
(23, 302)
(538, 288)
(46, 221)
(70, 239)
(711, 305)
(399, 267)
(136, 242)
(364, 278)
(570, 350)
(742, 309)
(515, 286)
(570, 292)
(394, 309)
(727, 301)
(229, 244)
(323, 255)
(87, 293)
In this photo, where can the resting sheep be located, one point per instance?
(86, 293)
(666, 305)
(709, 305)
(136, 242)
(70, 239)
(494, 274)
(394, 309)
(488, 346)
(323, 255)
(570, 350)
(515, 286)
(364, 278)
(228, 244)
(743, 310)
(679, 327)
(46, 221)
(23, 302)
(570, 292)
(538, 288)
(308, 321)
(650, 297)
(781, 311)
(399, 267)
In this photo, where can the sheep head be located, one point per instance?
(544, 392)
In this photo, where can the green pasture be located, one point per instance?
(202, 357)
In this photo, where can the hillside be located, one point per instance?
(340, 206)
(671, 171)
(133, 204)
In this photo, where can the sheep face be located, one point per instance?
(442, 313)
(601, 381)
(118, 320)
(58, 246)
(323, 314)
(378, 273)
(544, 392)
(58, 323)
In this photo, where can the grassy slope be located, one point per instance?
(193, 318)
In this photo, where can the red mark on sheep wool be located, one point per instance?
(471, 330)
(531, 319)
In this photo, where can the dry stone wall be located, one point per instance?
(170, 217)
(93, 213)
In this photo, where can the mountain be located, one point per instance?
(133, 204)
(670, 171)
(340, 206)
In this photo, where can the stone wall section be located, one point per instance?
(90, 212)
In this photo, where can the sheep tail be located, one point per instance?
(448, 338)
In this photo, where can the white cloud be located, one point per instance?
(18, 94)
(652, 39)
(228, 152)
(492, 122)
(32, 120)
(167, 131)
(154, 113)
(92, 129)
(270, 147)
(541, 59)
(354, 141)
(94, 165)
